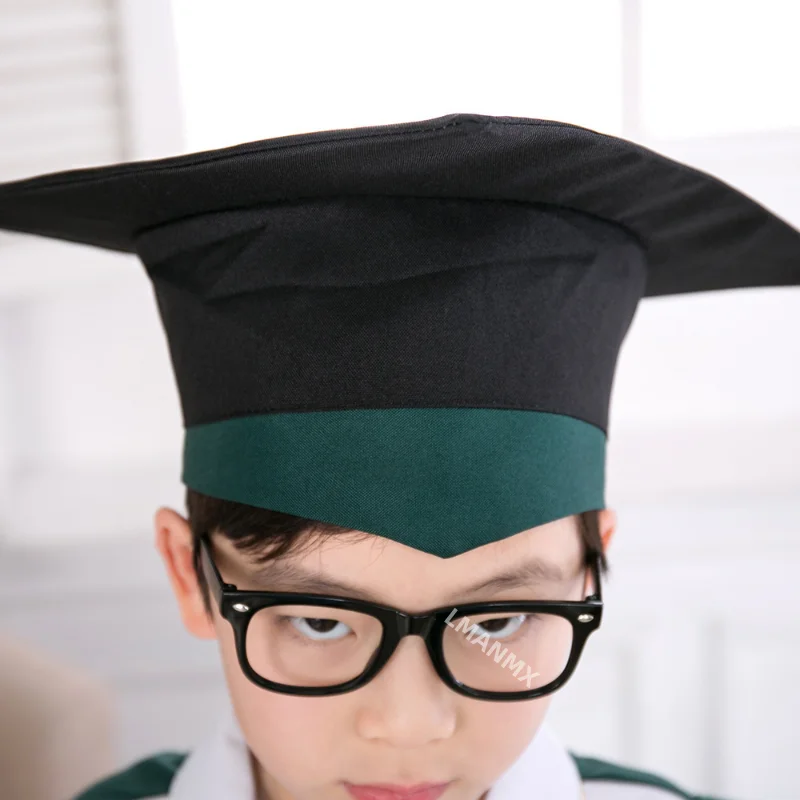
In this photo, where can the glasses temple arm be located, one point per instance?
(214, 579)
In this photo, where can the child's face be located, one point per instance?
(405, 726)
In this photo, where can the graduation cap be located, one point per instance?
(409, 329)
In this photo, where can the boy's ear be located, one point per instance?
(173, 540)
(608, 524)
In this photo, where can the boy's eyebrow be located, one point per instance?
(287, 577)
(526, 573)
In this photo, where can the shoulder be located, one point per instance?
(605, 780)
(149, 778)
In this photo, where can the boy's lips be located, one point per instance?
(388, 791)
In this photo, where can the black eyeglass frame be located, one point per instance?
(238, 606)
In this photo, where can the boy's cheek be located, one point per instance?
(282, 715)
(294, 737)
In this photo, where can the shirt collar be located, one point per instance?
(220, 766)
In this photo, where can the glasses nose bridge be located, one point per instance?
(415, 625)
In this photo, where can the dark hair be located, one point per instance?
(263, 534)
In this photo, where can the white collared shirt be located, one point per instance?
(220, 768)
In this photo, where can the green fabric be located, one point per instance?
(442, 480)
(149, 777)
(594, 769)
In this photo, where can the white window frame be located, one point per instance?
(770, 157)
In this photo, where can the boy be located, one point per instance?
(394, 347)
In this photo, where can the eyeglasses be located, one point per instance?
(315, 645)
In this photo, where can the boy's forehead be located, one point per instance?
(369, 559)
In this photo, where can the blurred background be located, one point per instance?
(694, 672)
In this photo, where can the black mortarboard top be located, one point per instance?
(409, 329)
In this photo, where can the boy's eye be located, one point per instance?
(501, 626)
(307, 645)
(320, 628)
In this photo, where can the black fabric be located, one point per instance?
(699, 233)
(494, 305)
(466, 260)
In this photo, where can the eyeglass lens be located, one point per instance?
(318, 646)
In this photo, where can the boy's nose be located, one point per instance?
(407, 704)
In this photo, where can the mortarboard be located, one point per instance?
(409, 329)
